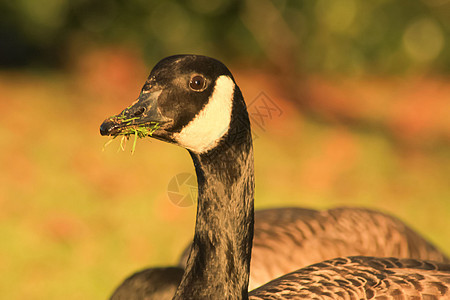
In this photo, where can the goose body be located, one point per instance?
(163, 284)
(198, 106)
(361, 277)
(343, 231)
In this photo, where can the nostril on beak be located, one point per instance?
(106, 127)
(139, 111)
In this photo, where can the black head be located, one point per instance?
(189, 97)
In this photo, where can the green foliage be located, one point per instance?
(350, 36)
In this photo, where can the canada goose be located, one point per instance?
(197, 105)
(331, 233)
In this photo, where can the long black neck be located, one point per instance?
(219, 262)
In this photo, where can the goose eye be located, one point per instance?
(197, 83)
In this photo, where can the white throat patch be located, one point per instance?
(212, 122)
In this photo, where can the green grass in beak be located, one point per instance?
(139, 132)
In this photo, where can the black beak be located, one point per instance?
(144, 111)
(107, 127)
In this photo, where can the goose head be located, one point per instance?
(197, 105)
(189, 99)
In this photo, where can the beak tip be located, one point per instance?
(106, 127)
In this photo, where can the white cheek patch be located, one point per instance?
(207, 128)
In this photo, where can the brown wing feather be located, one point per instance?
(362, 278)
(288, 238)
(150, 284)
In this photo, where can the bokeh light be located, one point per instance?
(423, 40)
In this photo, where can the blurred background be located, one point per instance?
(349, 99)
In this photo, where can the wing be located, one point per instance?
(362, 278)
(289, 238)
(151, 283)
